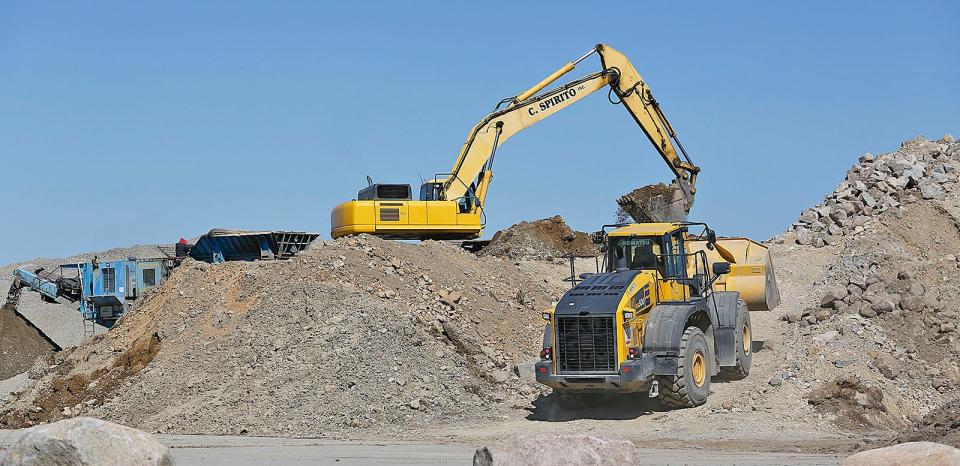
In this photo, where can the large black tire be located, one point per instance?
(694, 367)
(743, 342)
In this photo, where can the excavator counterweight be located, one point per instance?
(452, 205)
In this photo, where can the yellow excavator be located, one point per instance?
(451, 205)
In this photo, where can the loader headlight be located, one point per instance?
(633, 353)
(546, 353)
(627, 315)
(546, 316)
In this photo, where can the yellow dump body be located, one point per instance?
(751, 270)
(405, 219)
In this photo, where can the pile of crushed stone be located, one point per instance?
(544, 239)
(358, 333)
(21, 344)
(885, 314)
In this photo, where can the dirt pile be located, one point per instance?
(359, 333)
(653, 203)
(884, 312)
(540, 240)
(20, 344)
(855, 405)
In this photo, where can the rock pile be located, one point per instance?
(872, 296)
(920, 169)
(879, 315)
(20, 343)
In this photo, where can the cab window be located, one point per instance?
(636, 252)
(675, 259)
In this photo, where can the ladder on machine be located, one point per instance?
(89, 314)
(89, 324)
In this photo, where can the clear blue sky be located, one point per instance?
(128, 122)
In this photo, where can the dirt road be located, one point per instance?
(210, 450)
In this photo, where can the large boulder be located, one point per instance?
(906, 454)
(542, 450)
(85, 441)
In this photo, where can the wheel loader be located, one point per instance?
(669, 311)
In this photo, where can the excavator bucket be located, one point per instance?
(657, 203)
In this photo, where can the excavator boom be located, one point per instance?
(452, 205)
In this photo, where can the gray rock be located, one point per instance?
(867, 312)
(86, 441)
(542, 450)
(832, 295)
(849, 207)
(868, 200)
(911, 303)
(932, 191)
(500, 376)
(888, 367)
(775, 381)
(926, 453)
(526, 371)
(855, 292)
(866, 158)
(884, 305)
(808, 216)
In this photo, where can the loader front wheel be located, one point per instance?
(744, 343)
(691, 386)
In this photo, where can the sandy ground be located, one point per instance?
(210, 450)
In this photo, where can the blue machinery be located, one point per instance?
(105, 290)
(221, 245)
(108, 288)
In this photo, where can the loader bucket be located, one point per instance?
(751, 271)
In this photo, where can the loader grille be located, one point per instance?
(585, 345)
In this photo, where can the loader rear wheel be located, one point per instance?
(743, 343)
(694, 367)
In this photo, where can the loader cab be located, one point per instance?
(654, 246)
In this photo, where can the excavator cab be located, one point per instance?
(431, 191)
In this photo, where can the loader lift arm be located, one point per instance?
(451, 205)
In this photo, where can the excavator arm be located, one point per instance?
(451, 206)
(473, 169)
